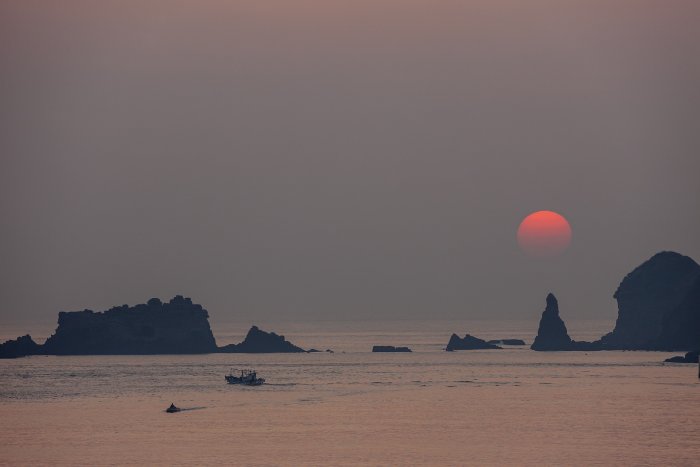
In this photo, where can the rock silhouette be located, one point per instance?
(658, 303)
(176, 327)
(19, 347)
(659, 306)
(468, 342)
(690, 357)
(389, 348)
(658, 309)
(680, 328)
(259, 341)
(552, 334)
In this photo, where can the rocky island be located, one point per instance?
(176, 327)
(468, 342)
(259, 341)
(658, 309)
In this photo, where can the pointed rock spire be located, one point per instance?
(552, 333)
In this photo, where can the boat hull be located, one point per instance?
(243, 381)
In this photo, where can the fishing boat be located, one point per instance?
(173, 409)
(246, 377)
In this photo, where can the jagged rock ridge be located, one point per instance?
(19, 347)
(468, 342)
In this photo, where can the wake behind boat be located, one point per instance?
(246, 377)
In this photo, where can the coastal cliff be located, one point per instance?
(259, 341)
(176, 327)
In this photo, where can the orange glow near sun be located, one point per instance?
(544, 234)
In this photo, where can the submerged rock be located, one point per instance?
(389, 348)
(20, 347)
(468, 342)
(176, 327)
(690, 357)
(259, 341)
(507, 342)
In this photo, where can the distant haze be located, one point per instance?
(297, 160)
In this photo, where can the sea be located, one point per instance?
(511, 407)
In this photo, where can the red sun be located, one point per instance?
(544, 234)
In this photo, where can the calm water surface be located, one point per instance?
(352, 407)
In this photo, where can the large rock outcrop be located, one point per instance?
(176, 327)
(658, 309)
(19, 347)
(259, 341)
(658, 305)
(468, 342)
(552, 334)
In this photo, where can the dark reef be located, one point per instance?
(468, 342)
(658, 309)
(259, 341)
(389, 348)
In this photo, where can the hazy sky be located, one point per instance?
(296, 160)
